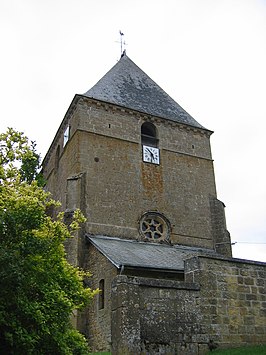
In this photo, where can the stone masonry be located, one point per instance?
(221, 303)
(105, 144)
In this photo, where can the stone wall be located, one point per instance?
(232, 298)
(96, 323)
(152, 316)
(110, 139)
(221, 303)
(221, 236)
(105, 144)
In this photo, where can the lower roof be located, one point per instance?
(133, 253)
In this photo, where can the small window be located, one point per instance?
(57, 157)
(101, 294)
(149, 134)
(66, 135)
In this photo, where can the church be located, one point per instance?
(155, 240)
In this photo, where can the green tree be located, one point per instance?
(39, 289)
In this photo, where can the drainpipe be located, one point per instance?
(122, 270)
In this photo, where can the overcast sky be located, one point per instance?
(208, 55)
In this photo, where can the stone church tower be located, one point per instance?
(140, 168)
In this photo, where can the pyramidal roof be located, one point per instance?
(125, 84)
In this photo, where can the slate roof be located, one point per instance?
(131, 253)
(127, 85)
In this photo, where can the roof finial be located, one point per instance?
(122, 44)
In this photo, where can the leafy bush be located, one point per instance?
(39, 289)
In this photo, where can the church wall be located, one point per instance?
(125, 124)
(221, 236)
(179, 187)
(108, 120)
(105, 138)
(112, 179)
(116, 201)
(185, 140)
(220, 304)
(62, 162)
(189, 182)
(96, 323)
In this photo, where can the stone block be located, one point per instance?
(248, 281)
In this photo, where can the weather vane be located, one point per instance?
(122, 43)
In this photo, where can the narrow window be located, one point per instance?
(149, 134)
(66, 135)
(57, 156)
(101, 294)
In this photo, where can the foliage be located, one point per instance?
(18, 156)
(247, 350)
(39, 289)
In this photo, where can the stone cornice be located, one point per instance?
(144, 116)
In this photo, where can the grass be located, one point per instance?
(247, 350)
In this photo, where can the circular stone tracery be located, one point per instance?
(154, 226)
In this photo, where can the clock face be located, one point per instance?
(151, 155)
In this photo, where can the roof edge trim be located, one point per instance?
(145, 114)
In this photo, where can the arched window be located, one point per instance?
(101, 294)
(149, 134)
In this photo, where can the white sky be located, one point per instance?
(209, 55)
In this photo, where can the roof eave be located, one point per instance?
(125, 265)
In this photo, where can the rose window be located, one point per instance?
(154, 226)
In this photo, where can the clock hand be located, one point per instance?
(152, 156)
